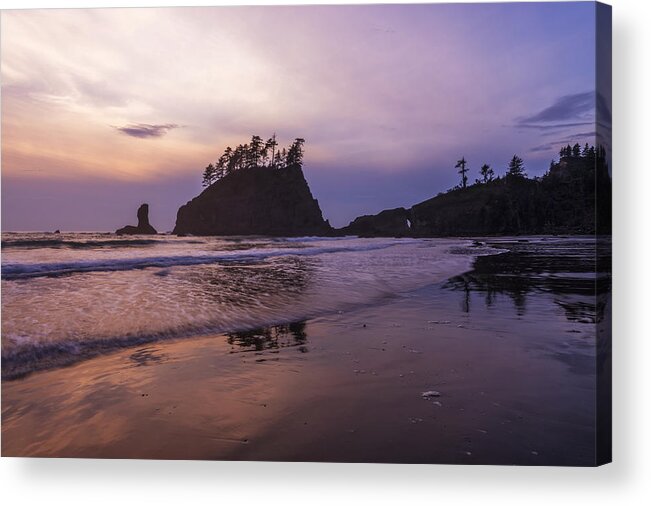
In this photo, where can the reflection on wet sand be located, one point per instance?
(147, 356)
(185, 399)
(565, 269)
(270, 338)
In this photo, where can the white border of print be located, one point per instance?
(626, 481)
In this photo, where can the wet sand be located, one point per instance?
(511, 353)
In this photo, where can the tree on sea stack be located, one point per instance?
(279, 161)
(255, 151)
(209, 175)
(295, 153)
(516, 168)
(271, 145)
(257, 154)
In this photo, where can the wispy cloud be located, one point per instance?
(543, 148)
(146, 131)
(577, 109)
(562, 119)
(580, 135)
(570, 139)
(567, 107)
(554, 126)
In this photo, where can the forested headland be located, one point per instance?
(572, 197)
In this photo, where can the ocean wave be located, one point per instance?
(313, 238)
(66, 243)
(28, 356)
(12, 271)
(66, 319)
(32, 357)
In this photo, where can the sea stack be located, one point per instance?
(143, 224)
(254, 201)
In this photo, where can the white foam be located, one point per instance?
(29, 270)
(83, 302)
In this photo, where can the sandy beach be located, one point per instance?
(495, 366)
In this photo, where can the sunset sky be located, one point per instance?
(105, 109)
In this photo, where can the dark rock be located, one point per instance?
(388, 223)
(57, 231)
(143, 224)
(254, 201)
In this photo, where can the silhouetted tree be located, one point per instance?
(264, 155)
(209, 175)
(255, 151)
(221, 167)
(591, 152)
(281, 159)
(461, 165)
(516, 168)
(238, 160)
(486, 173)
(295, 153)
(228, 161)
(271, 144)
(576, 150)
(566, 152)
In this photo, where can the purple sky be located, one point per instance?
(105, 109)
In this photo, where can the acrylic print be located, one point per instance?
(342, 233)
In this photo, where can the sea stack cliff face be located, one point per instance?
(143, 224)
(254, 201)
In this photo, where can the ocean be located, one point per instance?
(71, 296)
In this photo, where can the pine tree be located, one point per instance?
(566, 152)
(208, 175)
(516, 168)
(281, 159)
(461, 165)
(271, 144)
(295, 153)
(239, 157)
(228, 161)
(221, 166)
(278, 163)
(576, 150)
(255, 151)
(258, 153)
